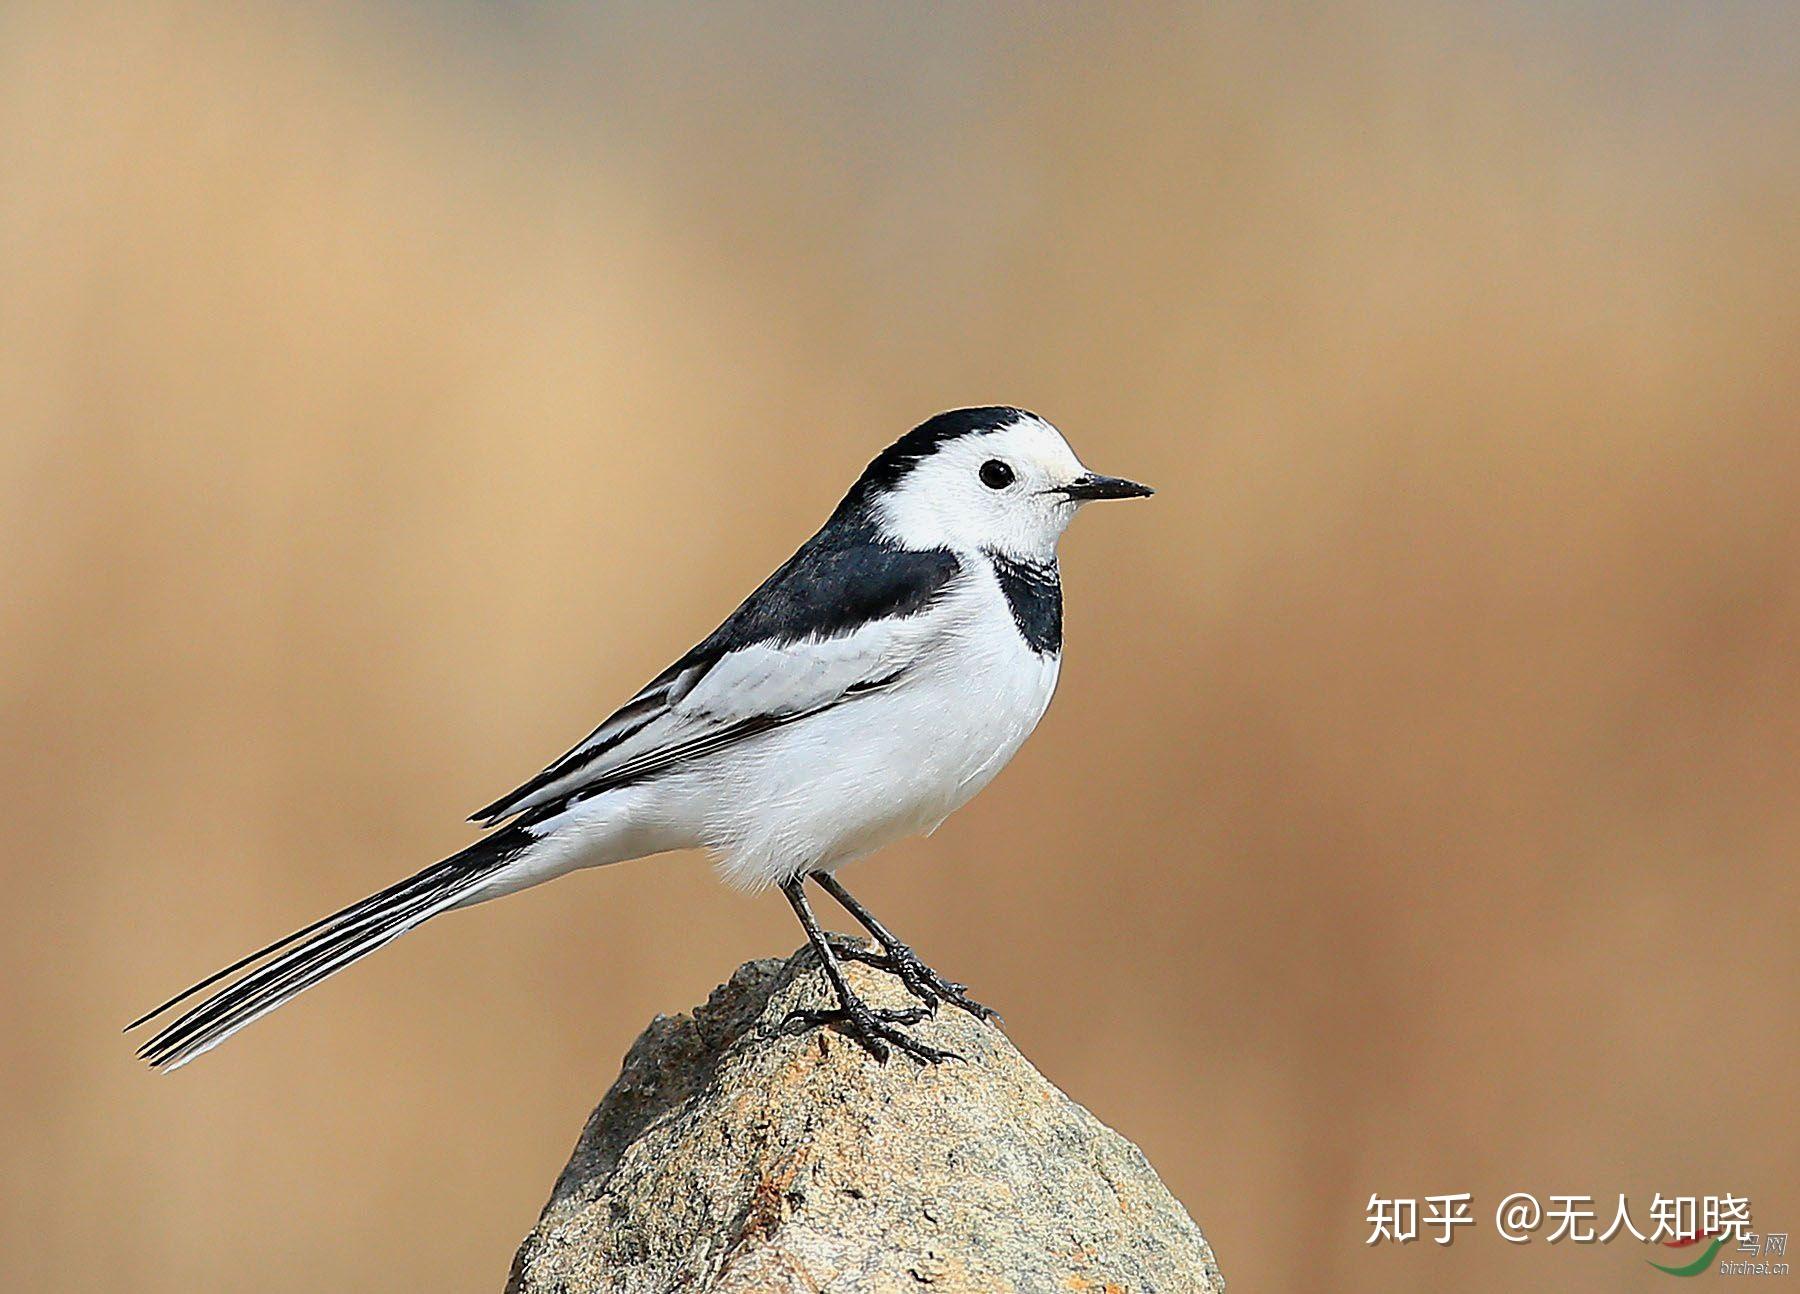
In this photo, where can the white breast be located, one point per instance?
(873, 769)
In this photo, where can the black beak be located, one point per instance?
(1084, 488)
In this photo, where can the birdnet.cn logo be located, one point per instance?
(1716, 1230)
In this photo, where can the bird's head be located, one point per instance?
(997, 478)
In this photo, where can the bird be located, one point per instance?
(866, 690)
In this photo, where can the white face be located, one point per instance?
(996, 489)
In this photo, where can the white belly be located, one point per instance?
(871, 770)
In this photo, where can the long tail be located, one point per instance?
(328, 945)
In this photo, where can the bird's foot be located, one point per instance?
(920, 980)
(874, 1029)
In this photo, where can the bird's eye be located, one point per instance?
(996, 475)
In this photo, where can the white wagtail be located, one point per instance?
(870, 687)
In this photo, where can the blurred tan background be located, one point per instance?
(387, 391)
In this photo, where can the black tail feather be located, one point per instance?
(321, 949)
(344, 914)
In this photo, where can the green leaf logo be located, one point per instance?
(1699, 1264)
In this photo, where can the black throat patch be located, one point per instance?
(1034, 593)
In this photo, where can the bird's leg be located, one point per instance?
(874, 1029)
(920, 980)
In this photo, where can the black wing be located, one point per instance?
(843, 580)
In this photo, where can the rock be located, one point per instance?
(732, 1158)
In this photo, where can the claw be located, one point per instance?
(873, 1030)
(920, 980)
(813, 1018)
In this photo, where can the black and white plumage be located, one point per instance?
(867, 689)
